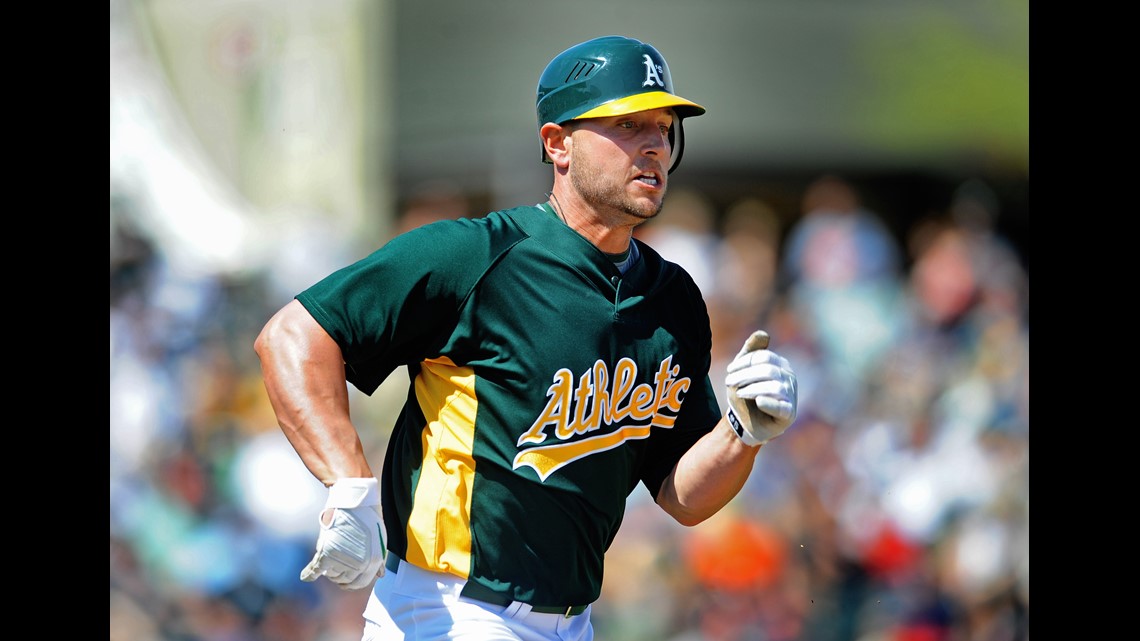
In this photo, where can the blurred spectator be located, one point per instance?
(1002, 280)
(431, 202)
(685, 233)
(747, 264)
(838, 242)
(842, 271)
(744, 270)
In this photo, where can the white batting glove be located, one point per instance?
(761, 392)
(350, 548)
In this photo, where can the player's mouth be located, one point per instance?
(650, 178)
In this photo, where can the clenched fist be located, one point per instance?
(350, 547)
(761, 392)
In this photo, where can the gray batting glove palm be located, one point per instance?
(350, 547)
(761, 392)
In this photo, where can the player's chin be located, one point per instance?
(644, 209)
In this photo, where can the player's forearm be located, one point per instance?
(303, 371)
(707, 477)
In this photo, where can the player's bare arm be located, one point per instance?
(303, 369)
(762, 400)
(708, 476)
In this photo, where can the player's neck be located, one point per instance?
(607, 235)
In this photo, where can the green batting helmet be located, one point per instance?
(610, 76)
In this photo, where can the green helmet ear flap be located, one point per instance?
(610, 76)
(677, 144)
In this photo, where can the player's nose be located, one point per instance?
(654, 142)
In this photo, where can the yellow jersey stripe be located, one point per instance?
(439, 528)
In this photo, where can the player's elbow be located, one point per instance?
(684, 514)
(261, 344)
(271, 334)
(688, 517)
(689, 520)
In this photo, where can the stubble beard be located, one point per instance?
(604, 195)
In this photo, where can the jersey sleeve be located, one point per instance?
(398, 305)
(700, 410)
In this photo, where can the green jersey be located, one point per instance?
(545, 385)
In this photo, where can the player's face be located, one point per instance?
(621, 163)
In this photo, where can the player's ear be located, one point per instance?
(556, 141)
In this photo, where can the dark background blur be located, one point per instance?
(859, 187)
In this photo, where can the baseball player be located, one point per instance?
(555, 362)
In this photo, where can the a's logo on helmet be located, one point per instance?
(652, 72)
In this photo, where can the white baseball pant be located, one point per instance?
(412, 604)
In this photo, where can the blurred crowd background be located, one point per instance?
(895, 509)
